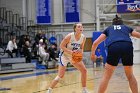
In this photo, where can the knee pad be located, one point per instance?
(57, 78)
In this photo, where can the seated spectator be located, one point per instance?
(36, 43)
(52, 52)
(27, 52)
(52, 39)
(28, 38)
(38, 37)
(43, 54)
(12, 47)
(21, 43)
(99, 57)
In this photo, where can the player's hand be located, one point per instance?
(93, 57)
(79, 50)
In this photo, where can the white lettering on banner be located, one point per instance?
(41, 8)
(133, 7)
(69, 6)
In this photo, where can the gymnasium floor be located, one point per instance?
(38, 81)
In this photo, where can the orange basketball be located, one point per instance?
(77, 56)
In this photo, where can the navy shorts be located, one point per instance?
(120, 50)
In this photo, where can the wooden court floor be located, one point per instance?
(38, 81)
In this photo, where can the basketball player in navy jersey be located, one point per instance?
(119, 47)
(72, 42)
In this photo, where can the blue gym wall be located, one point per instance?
(101, 45)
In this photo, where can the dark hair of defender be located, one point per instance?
(117, 21)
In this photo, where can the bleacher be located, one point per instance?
(12, 24)
(8, 65)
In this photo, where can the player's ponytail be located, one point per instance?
(117, 21)
(74, 26)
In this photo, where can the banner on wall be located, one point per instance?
(43, 11)
(128, 6)
(72, 10)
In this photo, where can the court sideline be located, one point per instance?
(38, 81)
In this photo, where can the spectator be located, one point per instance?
(27, 52)
(12, 47)
(99, 57)
(36, 43)
(22, 40)
(28, 38)
(43, 36)
(52, 52)
(38, 37)
(43, 54)
(52, 40)
(21, 43)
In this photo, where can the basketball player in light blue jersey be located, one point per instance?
(72, 42)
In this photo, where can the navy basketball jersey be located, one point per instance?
(116, 33)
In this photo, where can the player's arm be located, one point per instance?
(101, 38)
(63, 44)
(135, 34)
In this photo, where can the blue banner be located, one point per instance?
(128, 6)
(71, 10)
(125, 1)
(43, 8)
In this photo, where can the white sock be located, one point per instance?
(49, 88)
(84, 88)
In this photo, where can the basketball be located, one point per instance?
(77, 56)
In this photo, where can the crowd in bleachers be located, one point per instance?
(39, 48)
(18, 41)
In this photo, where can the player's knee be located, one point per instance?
(61, 76)
(109, 68)
(84, 70)
(128, 72)
(129, 76)
(57, 78)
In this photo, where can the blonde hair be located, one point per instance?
(74, 26)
